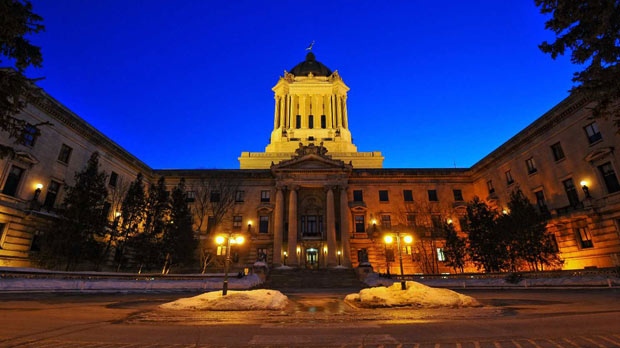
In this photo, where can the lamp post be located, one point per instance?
(229, 239)
(285, 256)
(407, 239)
(339, 253)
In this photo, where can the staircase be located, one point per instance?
(288, 279)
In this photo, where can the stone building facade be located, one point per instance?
(312, 200)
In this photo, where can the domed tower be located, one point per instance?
(310, 108)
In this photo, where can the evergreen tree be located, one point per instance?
(590, 30)
(133, 211)
(487, 245)
(530, 240)
(455, 249)
(82, 221)
(16, 22)
(179, 242)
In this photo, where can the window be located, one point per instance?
(52, 193)
(65, 154)
(105, 212)
(440, 255)
(509, 179)
(386, 222)
(490, 187)
(463, 223)
(214, 196)
(237, 222)
(261, 254)
(383, 196)
(360, 224)
(610, 178)
(571, 192)
(358, 196)
(2, 232)
(190, 196)
(323, 122)
(531, 165)
(113, 179)
(239, 196)
(593, 133)
(265, 196)
(584, 237)
(210, 224)
(432, 196)
(12, 181)
(540, 201)
(458, 195)
(557, 151)
(436, 220)
(263, 224)
(29, 135)
(298, 121)
(310, 121)
(311, 225)
(408, 195)
(411, 220)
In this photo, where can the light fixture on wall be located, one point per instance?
(250, 226)
(37, 191)
(585, 188)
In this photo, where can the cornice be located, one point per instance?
(70, 120)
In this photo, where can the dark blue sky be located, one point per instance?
(187, 84)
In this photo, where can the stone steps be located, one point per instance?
(335, 278)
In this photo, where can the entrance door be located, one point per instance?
(312, 258)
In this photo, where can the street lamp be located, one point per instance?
(229, 239)
(339, 253)
(407, 239)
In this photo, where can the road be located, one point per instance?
(509, 318)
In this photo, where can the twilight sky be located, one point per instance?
(187, 84)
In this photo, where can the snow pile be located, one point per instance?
(417, 295)
(233, 301)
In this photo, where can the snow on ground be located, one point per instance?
(233, 301)
(416, 295)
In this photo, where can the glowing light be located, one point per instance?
(239, 240)
(388, 239)
(408, 239)
(38, 186)
(220, 240)
(583, 183)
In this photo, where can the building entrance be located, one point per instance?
(312, 258)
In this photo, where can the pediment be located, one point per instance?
(599, 154)
(310, 162)
(25, 157)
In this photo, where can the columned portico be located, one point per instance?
(278, 227)
(292, 227)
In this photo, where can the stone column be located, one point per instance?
(293, 259)
(338, 111)
(345, 218)
(331, 228)
(276, 116)
(345, 113)
(278, 230)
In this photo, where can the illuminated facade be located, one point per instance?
(312, 200)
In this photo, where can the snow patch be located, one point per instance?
(233, 301)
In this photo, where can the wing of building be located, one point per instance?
(312, 200)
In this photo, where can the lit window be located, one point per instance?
(557, 151)
(593, 133)
(440, 255)
(190, 196)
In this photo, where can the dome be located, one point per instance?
(310, 65)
